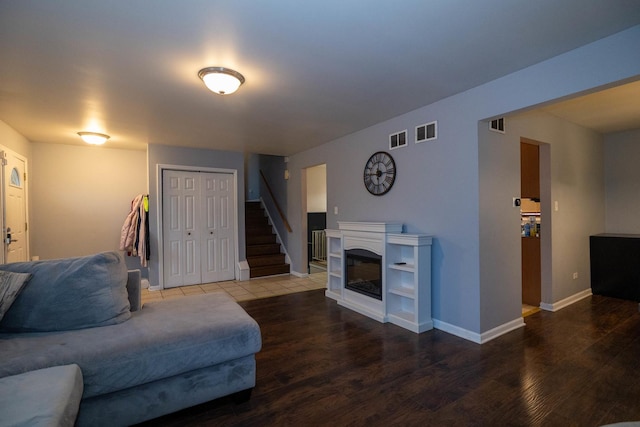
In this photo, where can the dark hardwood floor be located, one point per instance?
(322, 364)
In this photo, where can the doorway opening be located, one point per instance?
(535, 225)
(316, 218)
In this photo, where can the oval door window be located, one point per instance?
(15, 178)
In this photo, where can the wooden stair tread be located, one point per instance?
(262, 260)
(257, 239)
(263, 249)
(269, 270)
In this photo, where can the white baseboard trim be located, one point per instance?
(243, 271)
(566, 302)
(476, 337)
(298, 274)
(456, 330)
(501, 330)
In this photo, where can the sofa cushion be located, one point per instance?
(46, 397)
(163, 339)
(10, 286)
(71, 293)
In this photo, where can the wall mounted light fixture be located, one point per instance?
(223, 81)
(94, 138)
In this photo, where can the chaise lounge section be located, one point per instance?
(144, 362)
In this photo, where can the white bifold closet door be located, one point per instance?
(198, 214)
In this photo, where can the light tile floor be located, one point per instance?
(247, 290)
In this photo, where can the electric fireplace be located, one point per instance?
(364, 272)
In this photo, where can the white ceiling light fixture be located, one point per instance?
(94, 138)
(223, 81)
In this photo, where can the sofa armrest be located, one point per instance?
(133, 289)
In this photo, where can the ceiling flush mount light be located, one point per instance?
(94, 138)
(223, 81)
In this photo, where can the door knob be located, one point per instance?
(8, 240)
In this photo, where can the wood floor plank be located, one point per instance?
(322, 364)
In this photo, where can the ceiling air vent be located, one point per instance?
(497, 125)
(427, 132)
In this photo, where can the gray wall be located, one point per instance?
(192, 157)
(576, 182)
(273, 168)
(437, 190)
(622, 180)
(252, 176)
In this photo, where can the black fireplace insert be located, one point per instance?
(364, 272)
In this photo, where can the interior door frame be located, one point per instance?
(160, 168)
(546, 236)
(3, 209)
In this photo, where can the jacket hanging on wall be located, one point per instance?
(134, 237)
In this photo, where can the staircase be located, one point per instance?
(263, 250)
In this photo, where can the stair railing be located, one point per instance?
(275, 202)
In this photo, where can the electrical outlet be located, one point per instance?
(575, 275)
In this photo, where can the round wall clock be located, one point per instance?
(379, 173)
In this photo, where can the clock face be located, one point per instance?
(379, 173)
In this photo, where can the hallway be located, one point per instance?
(247, 290)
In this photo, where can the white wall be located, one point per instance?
(317, 189)
(80, 196)
(622, 180)
(437, 190)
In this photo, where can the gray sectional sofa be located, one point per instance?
(137, 363)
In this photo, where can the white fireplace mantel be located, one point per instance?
(406, 272)
(367, 235)
(371, 227)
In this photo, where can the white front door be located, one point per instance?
(198, 233)
(16, 241)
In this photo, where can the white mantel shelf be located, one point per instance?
(406, 273)
(371, 227)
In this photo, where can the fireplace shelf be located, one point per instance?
(335, 264)
(406, 272)
(403, 267)
(409, 281)
(406, 292)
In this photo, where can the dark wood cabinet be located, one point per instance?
(615, 265)
(529, 171)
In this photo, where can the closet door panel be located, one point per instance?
(180, 228)
(218, 243)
